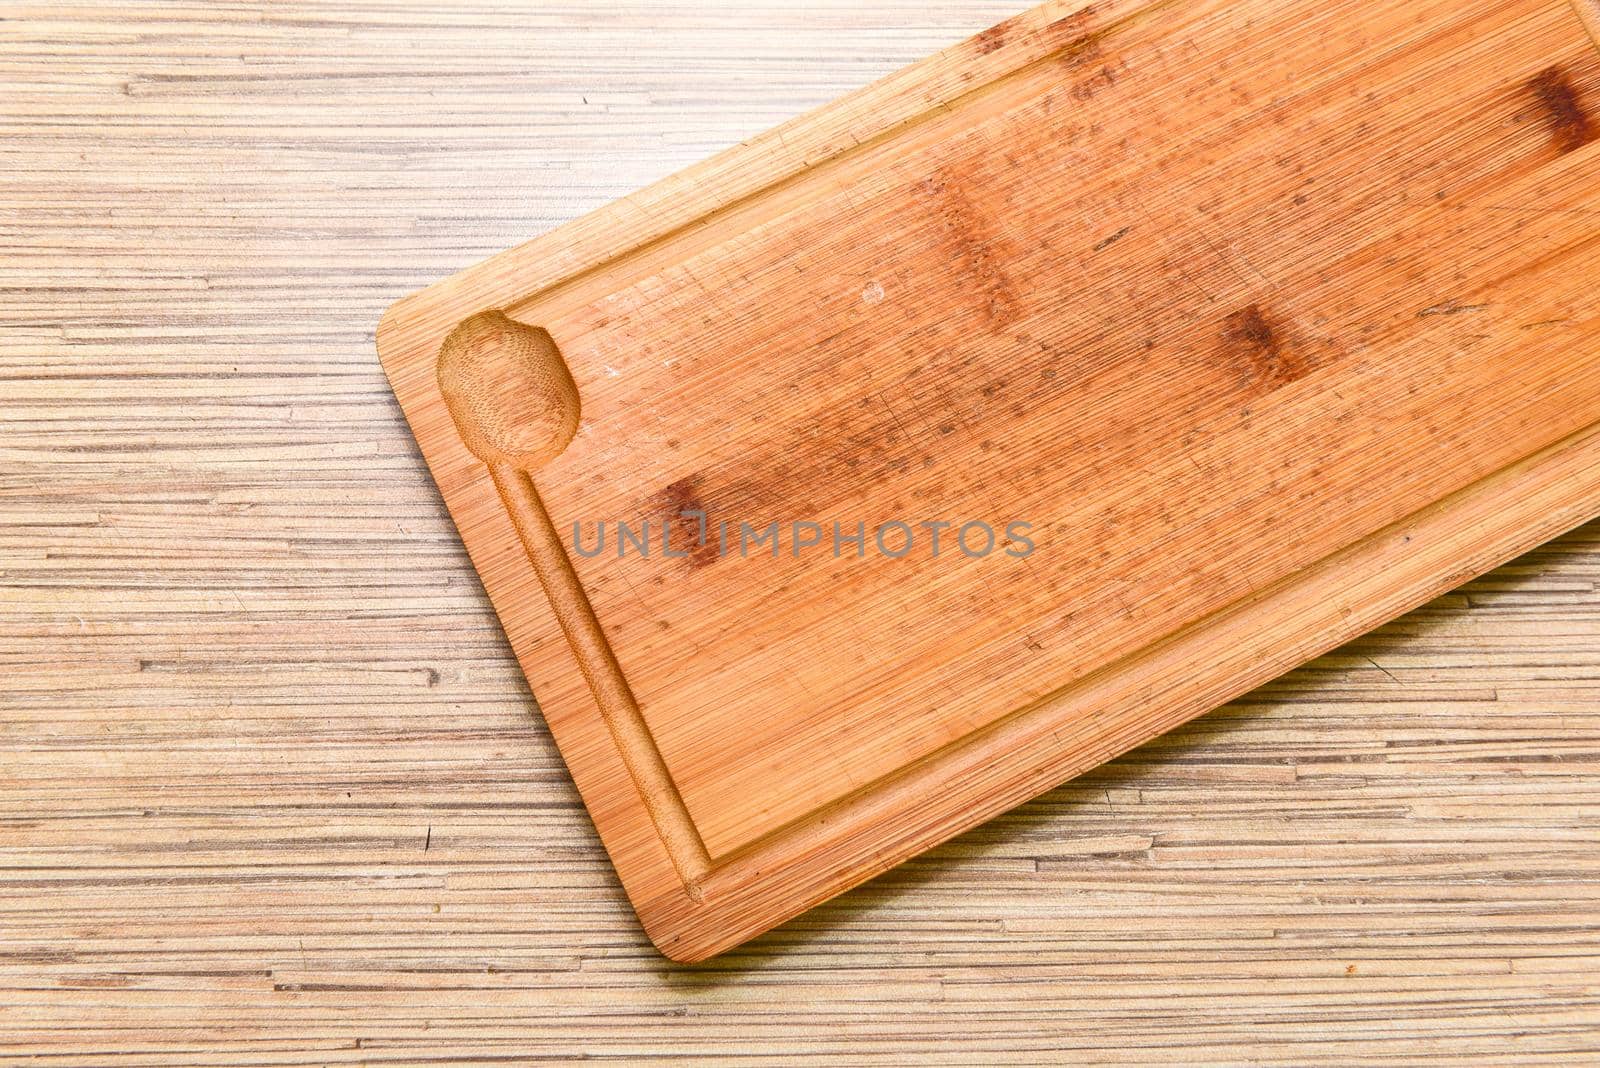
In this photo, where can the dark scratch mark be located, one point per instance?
(1113, 239)
(1569, 125)
(427, 843)
(1381, 668)
(1451, 307)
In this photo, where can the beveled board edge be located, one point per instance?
(1028, 751)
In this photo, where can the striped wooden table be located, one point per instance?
(271, 787)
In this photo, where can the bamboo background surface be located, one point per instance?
(271, 787)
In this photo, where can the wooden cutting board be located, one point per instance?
(1242, 326)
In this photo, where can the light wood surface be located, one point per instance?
(270, 791)
(1261, 321)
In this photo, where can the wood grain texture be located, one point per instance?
(1231, 304)
(267, 797)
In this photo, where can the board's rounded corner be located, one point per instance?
(671, 942)
(383, 335)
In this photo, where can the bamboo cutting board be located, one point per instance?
(1240, 327)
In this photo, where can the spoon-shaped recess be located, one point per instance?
(516, 407)
(508, 390)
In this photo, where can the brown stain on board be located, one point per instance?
(975, 247)
(1080, 43)
(1074, 27)
(1073, 31)
(1259, 348)
(1570, 126)
(688, 522)
(992, 39)
(1104, 78)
